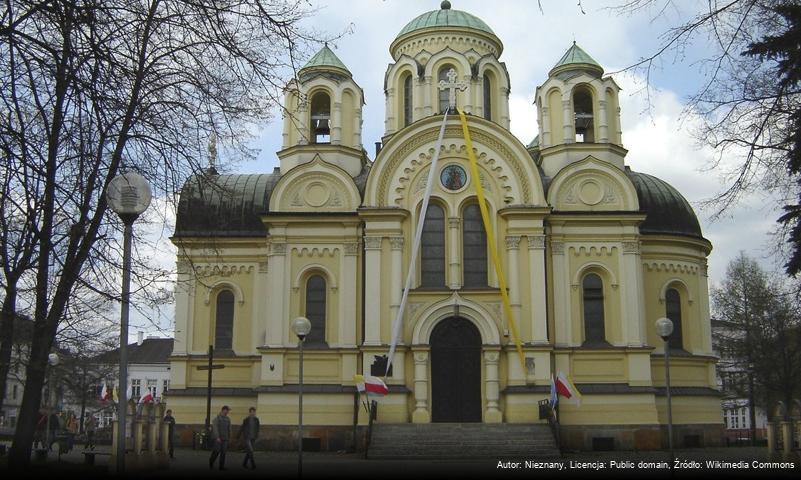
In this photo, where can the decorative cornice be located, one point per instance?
(372, 243)
(396, 242)
(512, 242)
(536, 242)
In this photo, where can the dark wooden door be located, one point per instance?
(456, 371)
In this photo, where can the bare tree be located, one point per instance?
(92, 88)
(747, 102)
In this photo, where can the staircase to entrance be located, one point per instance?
(461, 441)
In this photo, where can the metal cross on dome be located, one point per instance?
(451, 85)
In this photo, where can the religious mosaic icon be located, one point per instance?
(453, 177)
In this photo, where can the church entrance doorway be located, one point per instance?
(455, 371)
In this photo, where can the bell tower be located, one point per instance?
(578, 113)
(323, 115)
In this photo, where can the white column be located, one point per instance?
(261, 299)
(454, 260)
(357, 128)
(545, 138)
(302, 122)
(427, 87)
(347, 295)
(504, 108)
(388, 126)
(391, 113)
(632, 299)
(537, 282)
(467, 96)
(492, 390)
(515, 283)
(561, 294)
(184, 288)
(372, 291)
(287, 121)
(277, 321)
(397, 275)
(336, 124)
(602, 122)
(421, 413)
(703, 310)
(567, 122)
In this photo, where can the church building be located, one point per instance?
(593, 254)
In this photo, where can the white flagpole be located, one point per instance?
(396, 326)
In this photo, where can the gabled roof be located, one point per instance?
(326, 59)
(576, 58)
(152, 350)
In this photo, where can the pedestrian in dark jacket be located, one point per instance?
(249, 433)
(221, 435)
(170, 421)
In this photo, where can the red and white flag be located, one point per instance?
(105, 395)
(565, 388)
(147, 397)
(372, 386)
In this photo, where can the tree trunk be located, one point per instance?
(7, 335)
(752, 409)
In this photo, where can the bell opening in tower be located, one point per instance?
(321, 118)
(584, 121)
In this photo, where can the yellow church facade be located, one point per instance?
(593, 254)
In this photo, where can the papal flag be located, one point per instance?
(565, 388)
(115, 395)
(372, 386)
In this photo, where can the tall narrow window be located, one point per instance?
(315, 309)
(474, 248)
(487, 97)
(224, 324)
(444, 95)
(432, 257)
(582, 107)
(407, 101)
(673, 312)
(593, 292)
(321, 118)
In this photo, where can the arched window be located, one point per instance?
(444, 96)
(407, 100)
(321, 118)
(593, 295)
(432, 257)
(487, 97)
(582, 107)
(474, 248)
(673, 312)
(224, 321)
(315, 309)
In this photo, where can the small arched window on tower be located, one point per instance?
(444, 95)
(582, 108)
(407, 100)
(487, 97)
(474, 248)
(593, 302)
(673, 312)
(224, 321)
(321, 118)
(432, 253)
(315, 309)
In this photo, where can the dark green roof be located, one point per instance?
(668, 212)
(326, 58)
(576, 58)
(445, 17)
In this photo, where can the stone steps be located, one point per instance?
(461, 441)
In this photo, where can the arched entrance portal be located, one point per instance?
(455, 371)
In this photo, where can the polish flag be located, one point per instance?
(372, 386)
(105, 395)
(565, 388)
(147, 397)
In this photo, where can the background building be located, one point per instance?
(593, 253)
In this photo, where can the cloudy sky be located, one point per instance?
(658, 140)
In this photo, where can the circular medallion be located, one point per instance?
(453, 177)
(316, 194)
(590, 192)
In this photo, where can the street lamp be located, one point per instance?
(128, 195)
(664, 327)
(52, 360)
(301, 326)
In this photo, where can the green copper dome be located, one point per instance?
(326, 58)
(576, 58)
(445, 17)
(667, 211)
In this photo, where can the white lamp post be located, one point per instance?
(52, 360)
(664, 327)
(128, 195)
(301, 326)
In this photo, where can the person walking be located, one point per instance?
(170, 421)
(249, 433)
(221, 434)
(90, 427)
(53, 426)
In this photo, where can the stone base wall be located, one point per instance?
(639, 437)
(326, 438)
